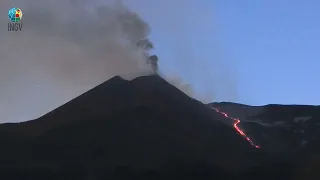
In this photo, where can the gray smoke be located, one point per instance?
(194, 50)
(64, 49)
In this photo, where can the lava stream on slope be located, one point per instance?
(235, 125)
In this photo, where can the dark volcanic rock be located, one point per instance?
(278, 128)
(145, 123)
(143, 129)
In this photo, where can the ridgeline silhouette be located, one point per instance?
(144, 128)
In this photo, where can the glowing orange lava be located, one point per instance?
(235, 125)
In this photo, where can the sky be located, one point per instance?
(248, 51)
(271, 47)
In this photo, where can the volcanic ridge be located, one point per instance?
(146, 129)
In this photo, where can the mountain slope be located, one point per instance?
(278, 128)
(143, 123)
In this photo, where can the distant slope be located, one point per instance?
(281, 128)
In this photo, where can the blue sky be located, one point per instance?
(257, 52)
(254, 52)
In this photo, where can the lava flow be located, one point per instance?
(235, 125)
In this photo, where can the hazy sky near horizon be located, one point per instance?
(267, 51)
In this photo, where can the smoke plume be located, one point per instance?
(67, 47)
(64, 49)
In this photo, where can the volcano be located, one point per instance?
(144, 128)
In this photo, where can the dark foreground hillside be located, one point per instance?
(139, 129)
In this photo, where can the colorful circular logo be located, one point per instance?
(15, 15)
